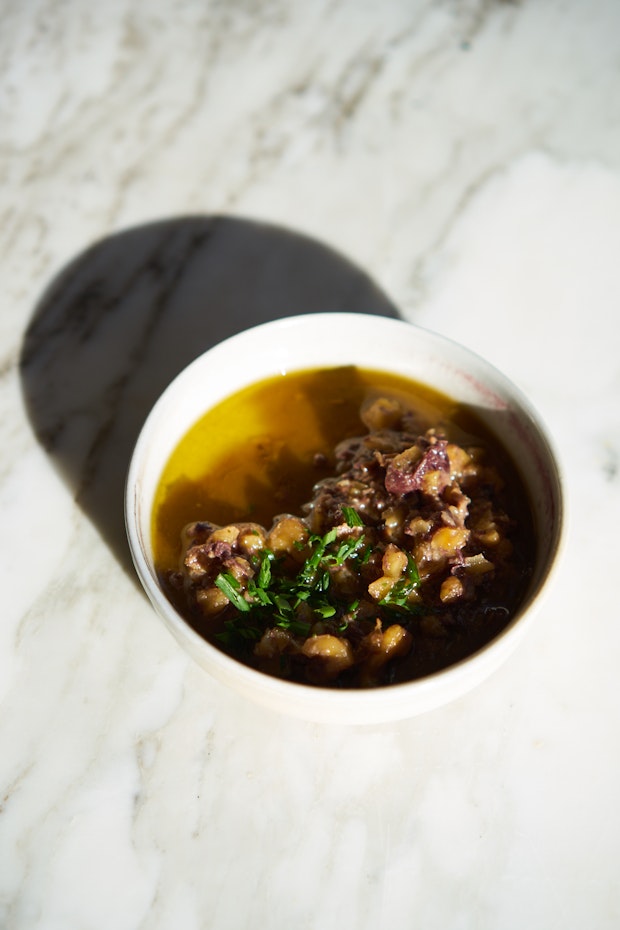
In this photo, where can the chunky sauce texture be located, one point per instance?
(344, 528)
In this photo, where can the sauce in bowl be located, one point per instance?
(395, 529)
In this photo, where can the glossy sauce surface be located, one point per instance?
(259, 454)
(254, 455)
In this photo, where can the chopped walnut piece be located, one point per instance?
(451, 590)
(332, 655)
(380, 647)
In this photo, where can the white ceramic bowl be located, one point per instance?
(323, 340)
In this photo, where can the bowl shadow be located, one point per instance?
(123, 318)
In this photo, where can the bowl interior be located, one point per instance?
(324, 340)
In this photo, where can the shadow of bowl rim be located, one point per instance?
(83, 294)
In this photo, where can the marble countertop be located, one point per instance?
(174, 172)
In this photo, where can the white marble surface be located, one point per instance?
(457, 161)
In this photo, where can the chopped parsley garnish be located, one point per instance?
(275, 598)
(231, 588)
(352, 517)
(398, 595)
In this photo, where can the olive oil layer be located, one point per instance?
(259, 453)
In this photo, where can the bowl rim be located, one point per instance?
(377, 704)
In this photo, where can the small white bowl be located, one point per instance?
(332, 339)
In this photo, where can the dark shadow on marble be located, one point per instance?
(122, 319)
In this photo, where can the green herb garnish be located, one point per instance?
(398, 595)
(275, 599)
(352, 517)
(231, 588)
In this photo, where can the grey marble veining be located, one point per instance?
(172, 173)
(129, 314)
